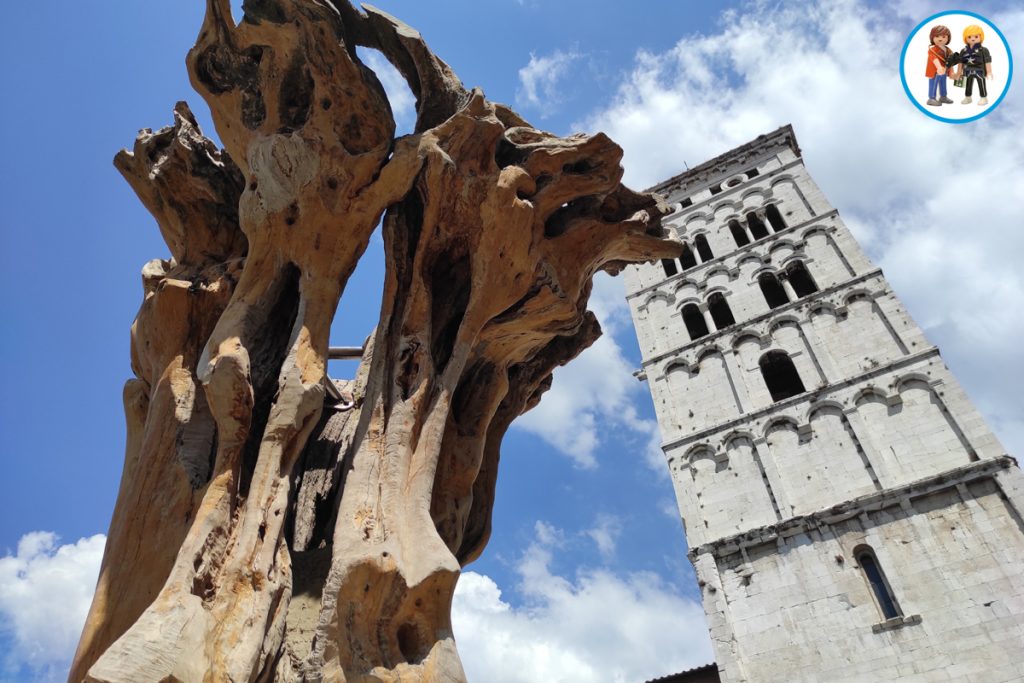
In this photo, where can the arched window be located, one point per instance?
(803, 283)
(756, 225)
(772, 289)
(687, 259)
(876, 580)
(738, 234)
(720, 311)
(780, 375)
(703, 248)
(774, 218)
(670, 267)
(694, 321)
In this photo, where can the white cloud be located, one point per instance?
(542, 81)
(596, 393)
(45, 592)
(596, 627)
(605, 534)
(937, 205)
(403, 102)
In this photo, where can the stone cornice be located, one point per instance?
(834, 213)
(758, 147)
(807, 396)
(871, 502)
(792, 305)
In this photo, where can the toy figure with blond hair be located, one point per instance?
(975, 63)
(938, 55)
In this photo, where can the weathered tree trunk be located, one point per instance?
(265, 529)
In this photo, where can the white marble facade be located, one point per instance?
(790, 487)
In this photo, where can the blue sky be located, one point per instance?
(588, 552)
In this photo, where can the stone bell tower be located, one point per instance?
(850, 515)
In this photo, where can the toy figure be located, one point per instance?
(938, 54)
(975, 63)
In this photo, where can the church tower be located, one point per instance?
(849, 514)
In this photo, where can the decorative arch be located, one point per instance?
(780, 422)
(823, 307)
(774, 217)
(696, 326)
(783, 321)
(717, 269)
(749, 334)
(758, 229)
(760, 192)
(684, 282)
(771, 288)
(700, 450)
(712, 350)
(856, 295)
(658, 294)
(751, 257)
(782, 243)
(910, 379)
(698, 216)
(816, 230)
(736, 436)
(727, 204)
(824, 404)
(703, 247)
(676, 366)
(780, 375)
(872, 393)
(739, 234)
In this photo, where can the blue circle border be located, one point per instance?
(1009, 73)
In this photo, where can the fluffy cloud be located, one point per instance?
(45, 591)
(541, 81)
(403, 102)
(596, 393)
(937, 205)
(594, 627)
(605, 534)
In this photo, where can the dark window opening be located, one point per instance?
(685, 203)
(694, 321)
(752, 173)
(733, 182)
(670, 267)
(738, 233)
(757, 226)
(720, 311)
(879, 586)
(803, 283)
(716, 189)
(775, 218)
(773, 292)
(780, 375)
(703, 248)
(688, 259)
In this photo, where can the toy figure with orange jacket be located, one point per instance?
(936, 70)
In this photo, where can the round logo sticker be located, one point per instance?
(956, 66)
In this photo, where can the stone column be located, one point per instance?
(708, 320)
(788, 287)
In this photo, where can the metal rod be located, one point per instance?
(344, 352)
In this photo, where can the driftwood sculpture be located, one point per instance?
(273, 525)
